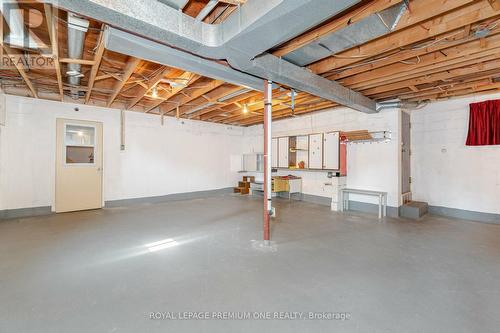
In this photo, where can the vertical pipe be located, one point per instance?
(268, 92)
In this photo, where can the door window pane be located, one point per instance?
(77, 154)
(79, 144)
(79, 135)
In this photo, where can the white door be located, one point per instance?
(331, 151)
(316, 151)
(274, 153)
(283, 152)
(78, 165)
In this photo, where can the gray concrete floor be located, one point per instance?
(92, 271)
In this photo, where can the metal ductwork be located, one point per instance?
(372, 27)
(242, 41)
(398, 105)
(176, 4)
(77, 28)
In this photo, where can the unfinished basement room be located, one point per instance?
(250, 166)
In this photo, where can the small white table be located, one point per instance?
(382, 199)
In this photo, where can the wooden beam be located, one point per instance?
(195, 93)
(453, 38)
(95, 67)
(52, 29)
(283, 112)
(151, 83)
(495, 4)
(349, 18)
(278, 104)
(190, 77)
(77, 61)
(103, 77)
(212, 97)
(475, 12)
(18, 60)
(424, 64)
(493, 64)
(209, 113)
(128, 71)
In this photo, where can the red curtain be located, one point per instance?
(484, 124)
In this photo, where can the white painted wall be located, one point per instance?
(445, 171)
(370, 166)
(158, 160)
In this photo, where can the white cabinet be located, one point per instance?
(283, 152)
(274, 153)
(316, 151)
(253, 162)
(250, 162)
(331, 151)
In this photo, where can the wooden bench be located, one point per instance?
(382, 199)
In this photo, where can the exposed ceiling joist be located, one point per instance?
(332, 26)
(95, 67)
(477, 11)
(52, 30)
(151, 83)
(189, 78)
(18, 61)
(129, 70)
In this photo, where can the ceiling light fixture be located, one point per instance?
(154, 92)
(245, 108)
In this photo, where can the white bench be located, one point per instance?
(382, 199)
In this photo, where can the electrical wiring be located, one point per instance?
(415, 47)
(411, 63)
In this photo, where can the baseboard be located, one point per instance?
(465, 214)
(41, 211)
(372, 208)
(167, 198)
(25, 212)
(316, 199)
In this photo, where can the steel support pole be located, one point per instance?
(268, 106)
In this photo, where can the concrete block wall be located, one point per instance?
(447, 173)
(178, 157)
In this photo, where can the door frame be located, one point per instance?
(99, 151)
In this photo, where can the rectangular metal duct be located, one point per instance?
(119, 41)
(176, 4)
(374, 26)
(177, 40)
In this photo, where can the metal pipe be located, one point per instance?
(397, 105)
(268, 108)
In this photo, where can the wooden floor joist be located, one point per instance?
(95, 67)
(129, 70)
(477, 11)
(17, 60)
(438, 49)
